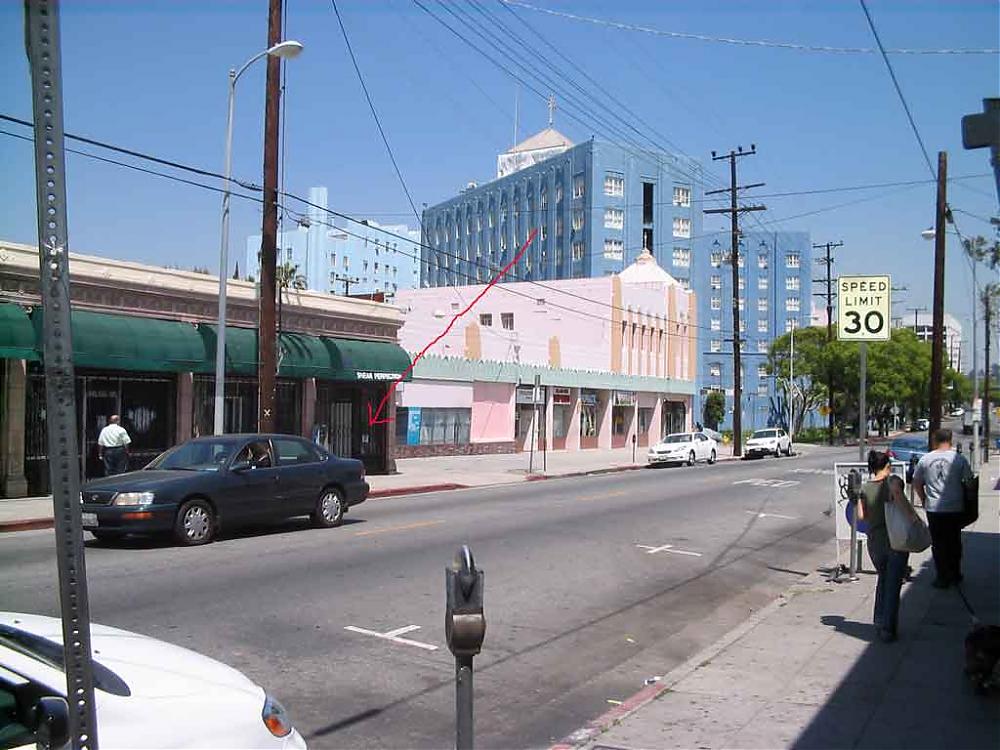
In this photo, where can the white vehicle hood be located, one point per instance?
(151, 668)
(670, 447)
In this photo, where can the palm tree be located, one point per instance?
(287, 276)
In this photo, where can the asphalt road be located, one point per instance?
(584, 600)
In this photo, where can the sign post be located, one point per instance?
(864, 309)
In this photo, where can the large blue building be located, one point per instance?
(596, 205)
(775, 295)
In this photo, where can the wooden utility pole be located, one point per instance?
(734, 212)
(267, 370)
(827, 260)
(937, 342)
(988, 302)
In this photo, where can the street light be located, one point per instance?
(928, 234)
(285, 50)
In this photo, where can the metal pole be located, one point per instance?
(974, 455)
(220, 331)
(863, 407)
(988, 320)
(266, 337)
(937, 342)
(463, 703)
(42, 45)
(791, 385)
(853, 569)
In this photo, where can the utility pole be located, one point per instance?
(348, 280)
(915, 310)
(267, 370)
(734, 212)
(937, 343)
(827, 260)
(988, 320)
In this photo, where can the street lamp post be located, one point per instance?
(287, 50)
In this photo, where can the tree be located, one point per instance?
(287, 276)
(808, 389)
(980, 250)
(714, 409)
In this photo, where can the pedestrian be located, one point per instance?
(890, 565)
(112, 447)
(938, 481)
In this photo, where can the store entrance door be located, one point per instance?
(341, 432)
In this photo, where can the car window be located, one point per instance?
(257, 453)
(12, 731)
(682, 437)
(765, 434)
(291, 452)
(196, 455)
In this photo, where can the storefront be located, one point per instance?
(589, 418)
(674, 417)
(529, 416)
(562, 415)
(622, 410)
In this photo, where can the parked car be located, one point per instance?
(684, 447)
(923, 424)
(905, 447)
(148, 693)
(958, 411)
(772, 441)
(196, 487)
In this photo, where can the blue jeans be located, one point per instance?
(891, 568)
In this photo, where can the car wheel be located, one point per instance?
(106, 536)
(329, 509)
(691, 458)
(788, 450)
(195, 523)
(711, 457)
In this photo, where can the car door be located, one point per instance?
(252, 490)
(300, 474)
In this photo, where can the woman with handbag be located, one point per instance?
(889, 563)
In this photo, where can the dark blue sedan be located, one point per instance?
(194, 488)
(905, 447)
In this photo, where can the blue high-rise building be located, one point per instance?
(775, 295)
(596, 205)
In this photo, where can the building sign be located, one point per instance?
(863, 308)
(624, 398)
(561, 396)
(369, 375)
(588, 398)
(526, 395)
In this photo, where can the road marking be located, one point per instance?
(393, 635)
(775, 483)
(822, 472)
(406, 527)
(666, 548)
(605, 496)
(771, 515)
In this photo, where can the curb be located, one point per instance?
(650, 693)
(418, 490)
(26, 524)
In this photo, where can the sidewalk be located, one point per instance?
(805, 672)
(416, 475)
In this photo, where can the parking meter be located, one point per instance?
(911, 469)
(464, 630)
(464, 621)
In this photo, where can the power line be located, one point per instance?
(371, 106)
(899, 91)
(741, 42)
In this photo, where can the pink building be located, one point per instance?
(568, 365)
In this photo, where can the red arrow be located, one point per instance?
(375, 417)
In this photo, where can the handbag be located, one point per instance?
(970, 500)
(907, 530)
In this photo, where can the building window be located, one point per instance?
(347, 262)
(684, 282)
(614, 184)
(762, 282)
(559, 225)
(682, 257)
(577, 251)
(715, 282)
(647, 238)
(741, 283)
(682, 226)
(792, 260)
(761, 371)
(716, 345)
(762, 346)
(578, 185)
(743, 325)
(486, 319)
(647, 203)
(716, 303)
(742, 303)
(792, 304)
(762, 260)
(544, 232)
(762, 388)
(614, 249)
(715, 370)
(507, 321)
(762, 325)
(762, 304)
(791, 325)
(682, 196)
(792, 283)
(716, 324)
(716, 259)
(577, 220)
(614, 218)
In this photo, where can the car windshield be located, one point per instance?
(766, 434)
(196, 455)
(681, 437)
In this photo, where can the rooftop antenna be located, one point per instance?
(552, 108)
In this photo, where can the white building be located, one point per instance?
(923, 325)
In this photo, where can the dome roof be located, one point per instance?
(645, 270)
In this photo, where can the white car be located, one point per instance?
(773, 441)
(148, 693)
(684, 447)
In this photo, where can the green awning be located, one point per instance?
(241, 349)
(120, 342)
(17, 335)
(368, 360)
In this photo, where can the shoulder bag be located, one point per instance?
(970, 500)
(907, 530)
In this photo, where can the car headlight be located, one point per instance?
(275, 717)
(133, 498)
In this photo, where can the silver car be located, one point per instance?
(773, 441)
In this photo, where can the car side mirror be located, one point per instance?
(241, 466)
(51, 723)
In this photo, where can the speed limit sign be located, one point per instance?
(863, 308)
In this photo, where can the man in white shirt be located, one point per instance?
(112, 447)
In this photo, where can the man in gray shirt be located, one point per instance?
(938, 482)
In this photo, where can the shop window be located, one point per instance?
(445, 426)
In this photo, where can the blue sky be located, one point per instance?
(152, 76)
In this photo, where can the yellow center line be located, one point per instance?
(406, 527)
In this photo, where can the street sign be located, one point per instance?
(863, 308)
